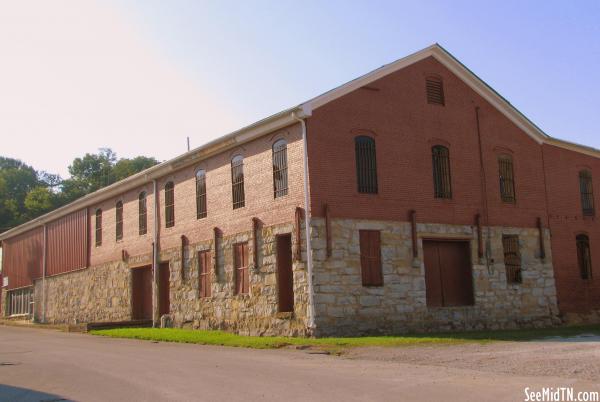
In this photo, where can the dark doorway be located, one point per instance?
(164, 300)
(285, 277)
(448, 273)
(141, 293)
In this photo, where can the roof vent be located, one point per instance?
(435, 91)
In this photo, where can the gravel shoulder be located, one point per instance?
(573, 358)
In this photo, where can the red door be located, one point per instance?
(141, 293)
(448, 273)
(285, 278)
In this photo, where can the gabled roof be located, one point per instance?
(468, 77)
(303, 110)
(456, 67)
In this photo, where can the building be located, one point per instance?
(414, 198)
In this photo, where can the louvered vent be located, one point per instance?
(435, 91)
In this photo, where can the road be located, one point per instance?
(46, 365)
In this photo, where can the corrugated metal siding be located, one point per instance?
(67, 243)
(23, 257)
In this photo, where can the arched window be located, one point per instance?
(442, 180)
(119, 220)
(237, 181)
(584, 256)
(169, 204)
(280, 168)
(587, 192)
(435, 90)
(366, 164)
(200, 194)
(142, 214)
(507, 179)
(98, 227)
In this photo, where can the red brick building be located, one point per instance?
(412, 198)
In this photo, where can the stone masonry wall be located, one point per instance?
(103, 293)
(253, 314)
(95, 294)
(343, 306)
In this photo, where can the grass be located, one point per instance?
(338, 344)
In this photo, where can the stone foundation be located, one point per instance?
(251, 314)
(344, 307)
(103, 293)
(96, 294)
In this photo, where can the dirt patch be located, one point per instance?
(573, 358)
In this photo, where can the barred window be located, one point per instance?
(507, 180)
(119, 220)
(237, 182)
(512, 258)
(143, 214)
(584, 256)
(435, 90)
(442, 181)
(200, 194)
(366, 164)
(587, 192)
(280, 168)
(98, 227)
(169, 204)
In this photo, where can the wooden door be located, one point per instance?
(204, 264)
(448, 273)
(285, 277)
(141, 293)
(164, 301)
(240, 261)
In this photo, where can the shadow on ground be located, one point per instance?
(583, 333)
(16, 394)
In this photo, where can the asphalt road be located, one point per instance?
(45, 365)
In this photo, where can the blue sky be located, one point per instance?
(202, 69)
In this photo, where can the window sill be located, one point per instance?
(466, 306)
(444, 200)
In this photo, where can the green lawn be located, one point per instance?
(336, 344)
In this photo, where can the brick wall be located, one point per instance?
(260, 202)
(394, 111)
(566, 222)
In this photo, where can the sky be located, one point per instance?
(141, 76)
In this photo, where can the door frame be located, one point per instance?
(277, 271)
(454, 239)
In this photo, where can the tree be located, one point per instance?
(26, 193)
(94, 171)
(39, 201)
(127, 167)
(17, 179)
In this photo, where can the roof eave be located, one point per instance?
(231, 140)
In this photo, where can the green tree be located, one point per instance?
(39, 201)
(26, 193)
(93, 171)
(127, 167)
(17, 179)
